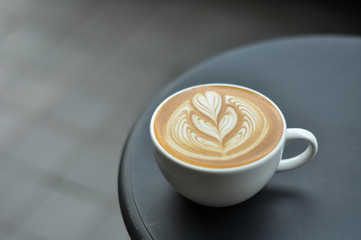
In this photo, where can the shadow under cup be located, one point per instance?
(222, 186)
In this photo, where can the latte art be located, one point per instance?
(218, 126)
(198, 127)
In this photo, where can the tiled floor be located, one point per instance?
(76, 74)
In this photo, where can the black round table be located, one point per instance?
(316, 82)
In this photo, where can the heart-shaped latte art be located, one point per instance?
(211, 126)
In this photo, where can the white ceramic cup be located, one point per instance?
(230, 186)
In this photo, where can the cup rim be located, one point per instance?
(216, 170)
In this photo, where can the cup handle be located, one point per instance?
(299, 160)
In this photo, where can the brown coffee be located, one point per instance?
(218, 126)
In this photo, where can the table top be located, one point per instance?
(316, 82)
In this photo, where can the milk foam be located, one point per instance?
(211, 126)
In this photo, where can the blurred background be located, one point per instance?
(76, 74)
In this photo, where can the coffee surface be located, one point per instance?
(218, 126)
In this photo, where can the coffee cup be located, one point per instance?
(219, 144)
